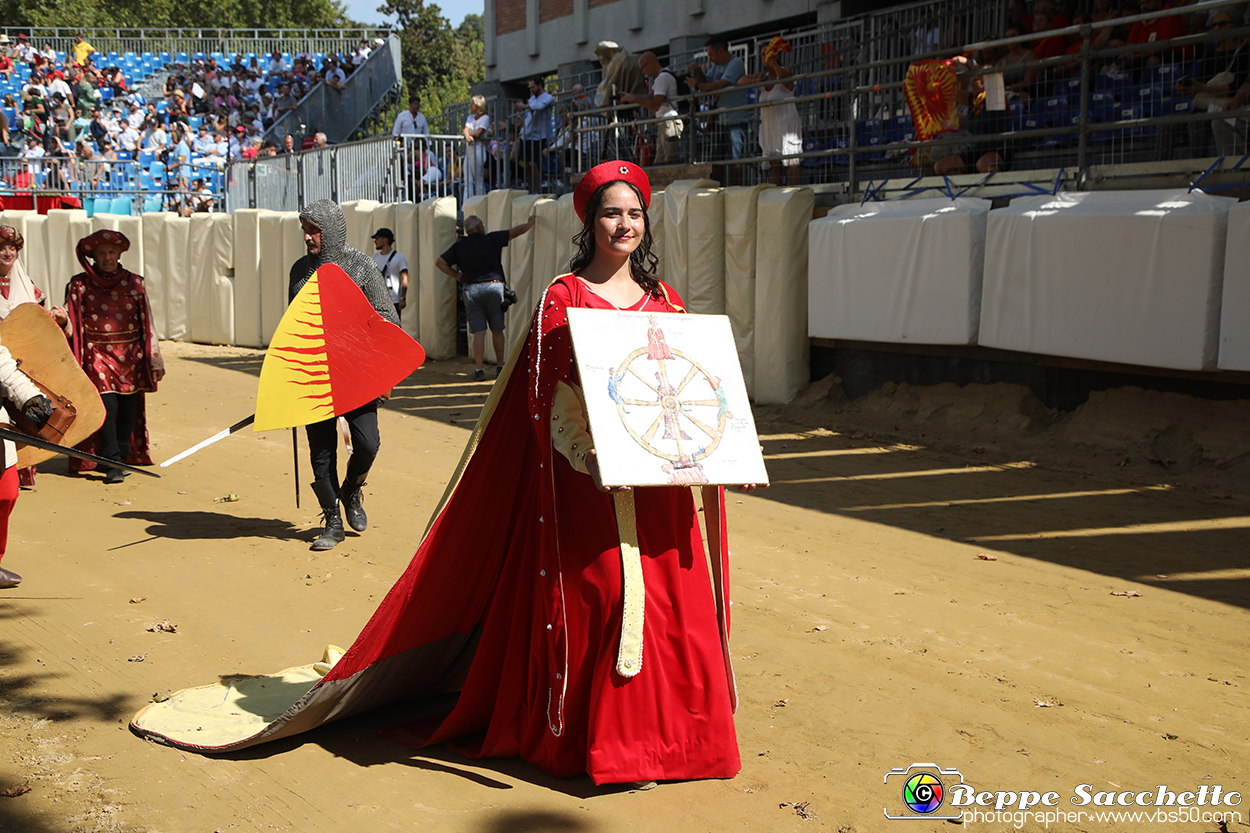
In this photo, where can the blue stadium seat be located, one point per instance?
(1113, 83)
(123, 206)
(146, 182)
(1165, 75)
(146, 158)
(1015, 118)
(899, 129)
(811, 146)
(152, 204)
(1150, 97)
(1069, 88)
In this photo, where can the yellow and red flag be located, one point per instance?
(331, 354)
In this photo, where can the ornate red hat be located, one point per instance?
(9, 234)
(602, 174)
(88, 244)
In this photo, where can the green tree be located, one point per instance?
(439, 63)
(226, 14)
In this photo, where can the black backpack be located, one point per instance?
(684, 105)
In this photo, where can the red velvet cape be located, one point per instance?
(513, 600)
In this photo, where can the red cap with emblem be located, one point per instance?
(604, 173)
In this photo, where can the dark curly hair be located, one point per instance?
(642, 262)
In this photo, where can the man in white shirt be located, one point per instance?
(334, 74)
(137, 116)
(393, 266)
(58, 85)
(33, 153)
(412, 122)
(663, 91)
(155, 138)
(276, 64)
(128, 139)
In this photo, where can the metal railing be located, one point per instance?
(204, 41)
(115, 186)
(1084, 112)
(386, 169)
(335, 112)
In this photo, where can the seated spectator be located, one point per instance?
(58, 84)
(1050, 46)
(128, 139)
(201, 198)
(253, 148)
(974, 119)
(1227, 70)
(154, 137)
(288, 143)
(1159, 31)
(1019, 81)
(6, 65)
(334, 75)
(277, 65)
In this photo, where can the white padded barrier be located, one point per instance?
(705, 254)
(63, 229)
(498, 216)
(523, 274)
(655, 214)
(550, 259)
(276, 257)
(247, 247)
(358, 214)
(1235, 314)
(676, 243)
(436, 223)
(1126, 276)
(34, 255)
(781, 343)
(740, 221)
(276, 284)
(154, 267)
(904, 271)
(222, 296)
(210, 290)
(568, 226)
(407, 244)
(177, 278)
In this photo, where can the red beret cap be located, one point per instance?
(604, 173)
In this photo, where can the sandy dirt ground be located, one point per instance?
(952, 576)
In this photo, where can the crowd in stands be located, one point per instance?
(81, 126)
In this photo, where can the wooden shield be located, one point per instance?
(43, 354)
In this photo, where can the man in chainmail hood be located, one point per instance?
(325, 236)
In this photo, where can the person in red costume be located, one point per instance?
(16, 288)
(113, 338)
(553, 679)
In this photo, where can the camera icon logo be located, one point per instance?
(923, 788)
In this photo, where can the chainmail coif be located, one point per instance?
(327, 216)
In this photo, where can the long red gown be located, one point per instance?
(514, 600)
(543, 683)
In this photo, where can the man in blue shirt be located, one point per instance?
(722, 79)
(536, 130)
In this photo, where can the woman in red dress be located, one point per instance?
(562, 675)
(113, 339)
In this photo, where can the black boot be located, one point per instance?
(353, 496)
(114, 475)
(332, 534)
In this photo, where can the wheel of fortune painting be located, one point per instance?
(669, 403)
